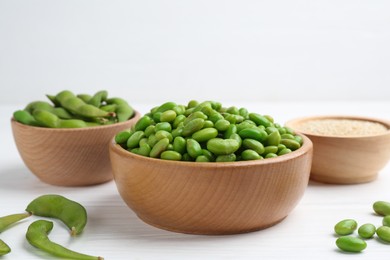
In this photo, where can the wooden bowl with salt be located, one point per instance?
(346, 149)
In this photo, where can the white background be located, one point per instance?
(283, 58)
(155, 51)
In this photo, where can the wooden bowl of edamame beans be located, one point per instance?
(205, 191)
(67, 156)
(65, 142)
(347, 149)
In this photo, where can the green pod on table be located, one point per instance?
(37, 236)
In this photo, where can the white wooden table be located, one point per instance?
(115, 232)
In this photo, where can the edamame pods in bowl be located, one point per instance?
(201, 168)
(63, 141)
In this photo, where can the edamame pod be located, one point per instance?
(4, 248)
(98, 98)
(6, 221)
(78, 107)
(37, 236)
(68, 211)
(24, 117)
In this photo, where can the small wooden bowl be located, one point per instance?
(212, 198)
(68, 156)
(346, 159)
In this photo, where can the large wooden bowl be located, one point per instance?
(212, 198)
(347, 159)
(68, 157)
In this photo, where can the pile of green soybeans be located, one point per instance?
(346, 227)
(71, 213)
(67, 110)
(207, 132)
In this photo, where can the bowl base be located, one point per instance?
(220, 231)
(341, 180)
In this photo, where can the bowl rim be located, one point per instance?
(295, 122)
(135, 116)
(305, 148)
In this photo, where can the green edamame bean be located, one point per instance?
(37, 236)
(168, 116)
(382, 208)
(68, 211)
(351, 244)
(164, 134)
(367, 230)
(202, 158)
(210, 156)
(253, 133)
(171, 155)
(222, 125)
(220, 146)
(271, 155)
(259, 119)
(386, 221)
(143, 123)
(195, 115)
(133, 140)
(193, 126)
(24, 117)
(163, 126)
(254, 145)
(150, 130)
(143, 149)
(205, 134)
(250, 154)
(159, 147)
(8, 220)
(290, 143)
(152, 140)
(383, 233)
(193, 148)
(179, 144)
(288, 136)
(226, 158)
(166, 106)
(284, 151)
(232, 129)
(179, 119)
(122, 137)
(270, 149)
(345, 227)
(4, 248)
(274, 138)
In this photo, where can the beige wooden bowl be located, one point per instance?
(68, 157)
(346, 159)
(212, 198)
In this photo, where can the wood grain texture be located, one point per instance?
(347, 160)
(212, 198)
(68, 157)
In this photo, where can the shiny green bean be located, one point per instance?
(351, 244)
(382, 208)
(367, 230)
(383, 233)
(345, 227)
